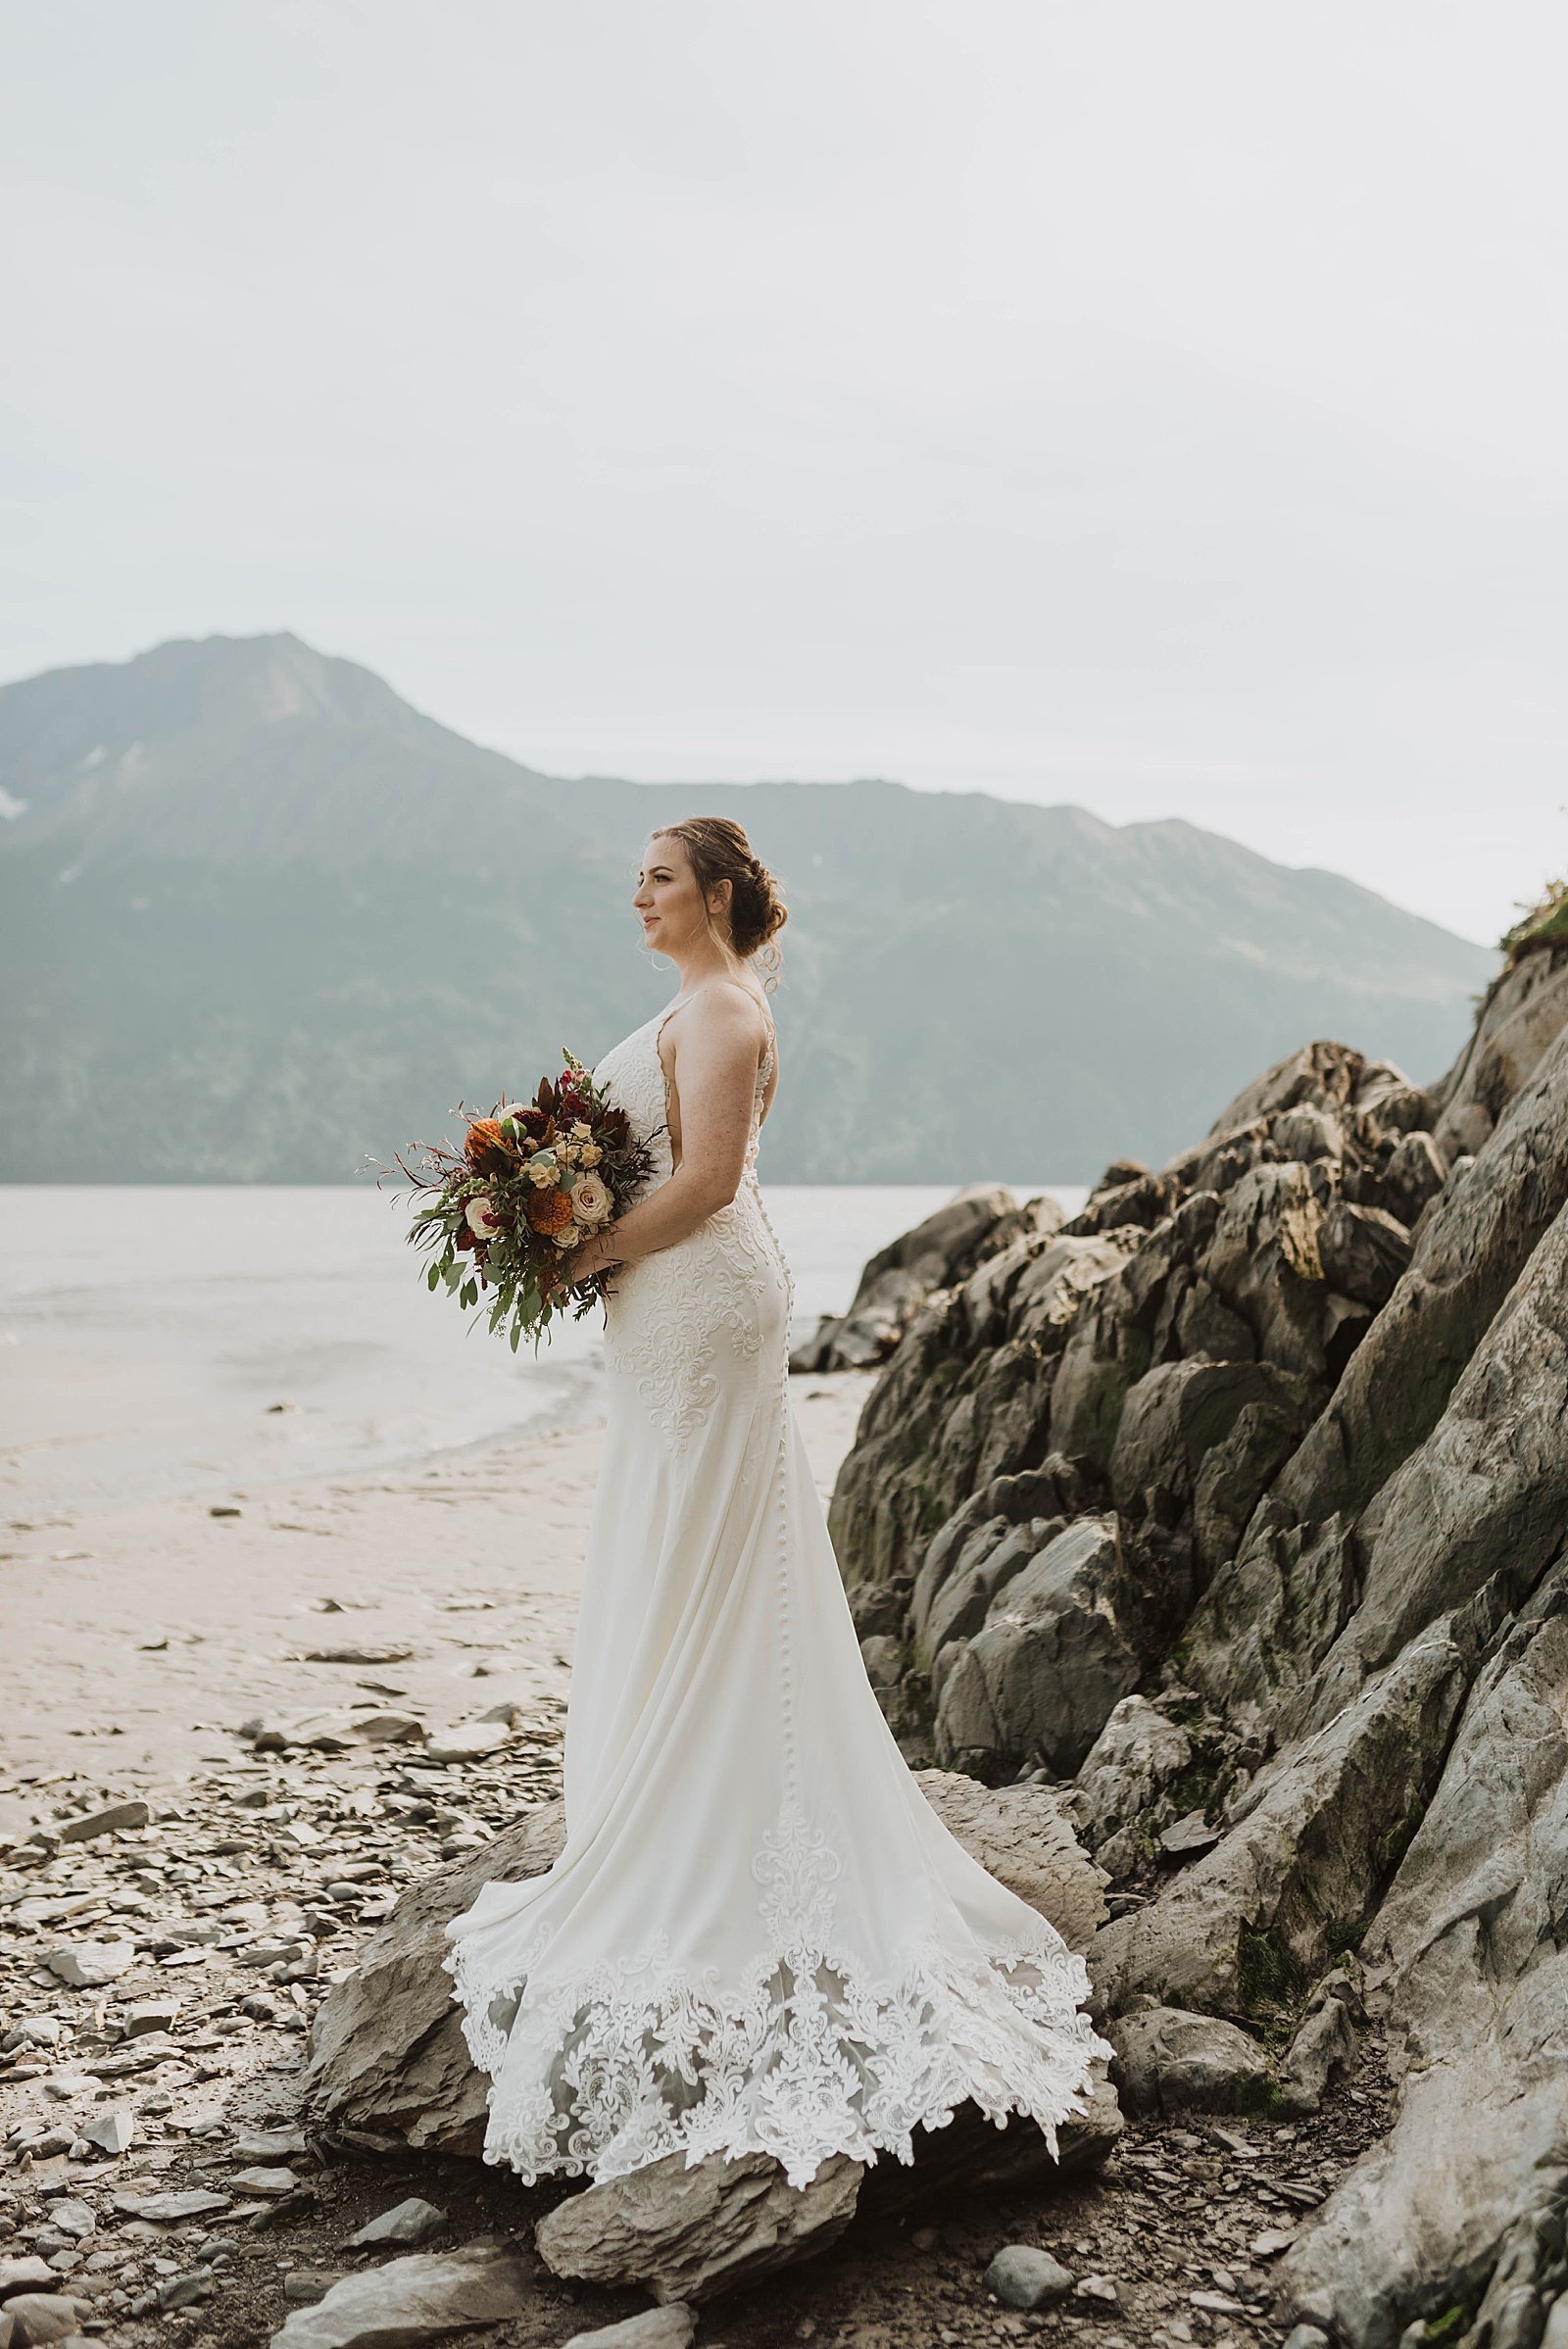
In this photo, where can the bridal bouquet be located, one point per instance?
(531, 1182)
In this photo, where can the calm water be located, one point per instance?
(144, 1332)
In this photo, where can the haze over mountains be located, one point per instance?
(260, 918)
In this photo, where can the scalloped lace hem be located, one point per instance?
(637, 2061)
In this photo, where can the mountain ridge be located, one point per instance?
(241, 838)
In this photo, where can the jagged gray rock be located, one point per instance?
(694, 2233)
(1040, 1679)
(672, 2327)
(411, 2300)
(1169, 2061)
(1341, 1600)
(1466, 1963)
(686, 2234)
(976, 1223)
(1136, 1756)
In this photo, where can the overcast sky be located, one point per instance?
(1157, 406)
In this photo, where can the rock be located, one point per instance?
(1525, 1011)
(84, 1828)
(1308, 2337)
(269, 2185)
(1363, 1252)
(684, 2234)
(690, 2233)
(168, 2210)
(150, 2014)
(413, 2300)
(1039, 1682)
(359, 1652)
(92, 1964)
(976, 1223)
(1187, 1836)
(184, 2291)
(953, 1596)
(1414, 1175)
(470, 1743)
(72, 2218)
(1102, 2288)
(303, 2287)
(389, 1729)
(672, 2327)
(1023, 1836)
(1324, 2045)
(269, 2144)
(1473, 1913)
(40, 2318)
(1136, 1755)
(21, 2274)
(411, 2221)
(883, 1657)
(1168, 2061)
(1022, 2277)
(323, 1733)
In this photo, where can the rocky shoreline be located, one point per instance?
(1211, 1552)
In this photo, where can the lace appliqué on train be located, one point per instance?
(809, 2056)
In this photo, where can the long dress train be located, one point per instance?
(758, 1936)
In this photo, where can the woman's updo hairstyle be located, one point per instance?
(719, 850)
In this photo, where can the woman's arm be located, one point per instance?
(717, 1051)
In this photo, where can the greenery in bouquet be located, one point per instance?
(531, 1181)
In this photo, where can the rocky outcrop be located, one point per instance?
(976, 1223)
(1242, 1503)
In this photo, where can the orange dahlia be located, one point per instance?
(482, 1137)
(548, 1210)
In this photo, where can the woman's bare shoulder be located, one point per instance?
(714, 1008)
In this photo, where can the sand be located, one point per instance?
(140, 1636)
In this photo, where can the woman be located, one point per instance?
(758, 1936)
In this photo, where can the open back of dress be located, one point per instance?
(758, 1936)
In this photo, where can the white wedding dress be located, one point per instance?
(758, 1936)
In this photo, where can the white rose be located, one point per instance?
(591, 1203)
(483, 1217)
(571, 1237)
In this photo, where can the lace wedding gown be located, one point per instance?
(758, 1936)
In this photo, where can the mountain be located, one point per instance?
(261, 918)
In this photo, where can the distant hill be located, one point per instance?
(260, 919)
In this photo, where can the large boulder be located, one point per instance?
(691, 2234)
(1168, 2061)
(1525, 1011)
(1138, 1753)
(1467, 1963)
(1058, 1649)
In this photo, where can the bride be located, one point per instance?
(758, 1936)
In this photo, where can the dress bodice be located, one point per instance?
(724, 1289)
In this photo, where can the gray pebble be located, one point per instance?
(1024, 2277)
